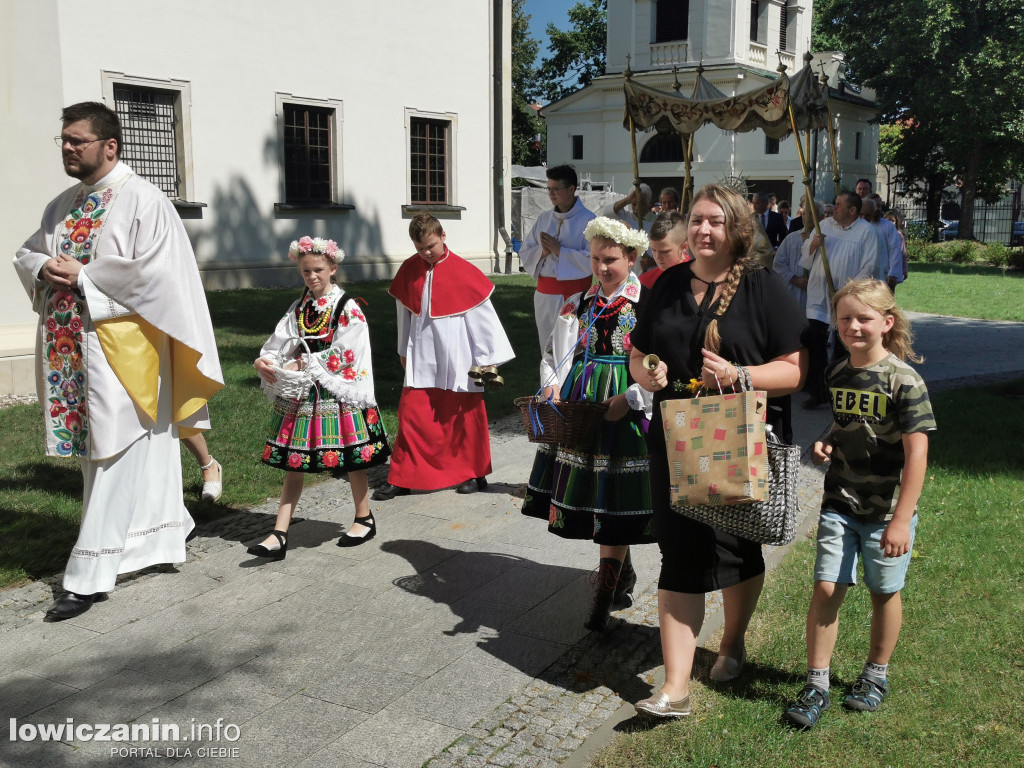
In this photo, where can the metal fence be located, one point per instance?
(999, 222)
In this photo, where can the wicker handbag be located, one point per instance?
(772, 521)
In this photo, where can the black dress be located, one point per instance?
(763, 322)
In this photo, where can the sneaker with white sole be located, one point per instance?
(866, 695)
(809, 704)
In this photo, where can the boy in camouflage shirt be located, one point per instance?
(877, 451)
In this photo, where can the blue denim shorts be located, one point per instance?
(842, 540)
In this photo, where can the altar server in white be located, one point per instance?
(126, 359)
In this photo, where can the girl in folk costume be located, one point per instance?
(599, 490)
(336, 427)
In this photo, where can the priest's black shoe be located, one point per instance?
(472, 485)
(389, 491)
(69, 605)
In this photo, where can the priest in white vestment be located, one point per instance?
(126, 358)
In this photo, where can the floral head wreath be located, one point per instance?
(613, 229)
(327, 248)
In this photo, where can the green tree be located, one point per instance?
(527, 125)
(952, 73)
(577, 55)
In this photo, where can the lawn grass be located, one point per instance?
(959, 665)
(982, 292)
(40, 497)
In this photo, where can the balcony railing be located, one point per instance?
(669, 54)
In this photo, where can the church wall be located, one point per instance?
(235, 67)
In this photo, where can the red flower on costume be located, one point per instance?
(56, 409)
(56, 361)
(73, 422)
(62, 302)
(331, 459)
(349, 374)
(82, 229)
(350, 356)
(294, 460)
(372, 417)
(333, 363)
(64, 341)
(366, 452)
(51, 324)
(266, 452)
(357, 314)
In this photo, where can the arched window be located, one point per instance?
(663, 148)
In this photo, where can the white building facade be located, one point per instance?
(263, 122)
(740, 45)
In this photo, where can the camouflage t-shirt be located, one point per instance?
(873, 408)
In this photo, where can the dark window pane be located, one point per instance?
(671, 20)
(307, 154)
(428, 161)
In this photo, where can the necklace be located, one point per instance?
(313, 321)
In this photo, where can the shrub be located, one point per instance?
(920, 250)
(1016, 258)
(960, 252)
(997, 254)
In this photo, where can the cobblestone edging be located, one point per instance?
(550, 718)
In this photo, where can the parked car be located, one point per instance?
(1017, 238)
(918, 229)
(949, 231)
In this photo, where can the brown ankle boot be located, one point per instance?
(624, 588)
(604, 580)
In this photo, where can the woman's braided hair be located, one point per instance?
(739, 226)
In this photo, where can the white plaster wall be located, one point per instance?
(378, 61)
(30, 167)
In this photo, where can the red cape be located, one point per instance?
(458, 286)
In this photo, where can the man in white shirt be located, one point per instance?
(125, 355)
(555, 252)
(852, 249)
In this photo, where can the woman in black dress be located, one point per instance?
(704, 318)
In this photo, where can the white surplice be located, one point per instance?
(138, 262)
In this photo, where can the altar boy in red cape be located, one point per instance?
(450, 341)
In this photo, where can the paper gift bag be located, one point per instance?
(717, 452)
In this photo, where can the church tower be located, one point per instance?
(680, 33)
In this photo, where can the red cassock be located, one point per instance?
(443, 438)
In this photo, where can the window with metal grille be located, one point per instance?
(307, 154)
(149, 126)
(671, 22)
(428, 161)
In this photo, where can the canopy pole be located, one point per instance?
(628, 74)
(831, 135)
(809, 208)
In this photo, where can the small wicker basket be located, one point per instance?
(567, 423)
(290, 384)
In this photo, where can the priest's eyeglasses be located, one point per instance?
(76, 144)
